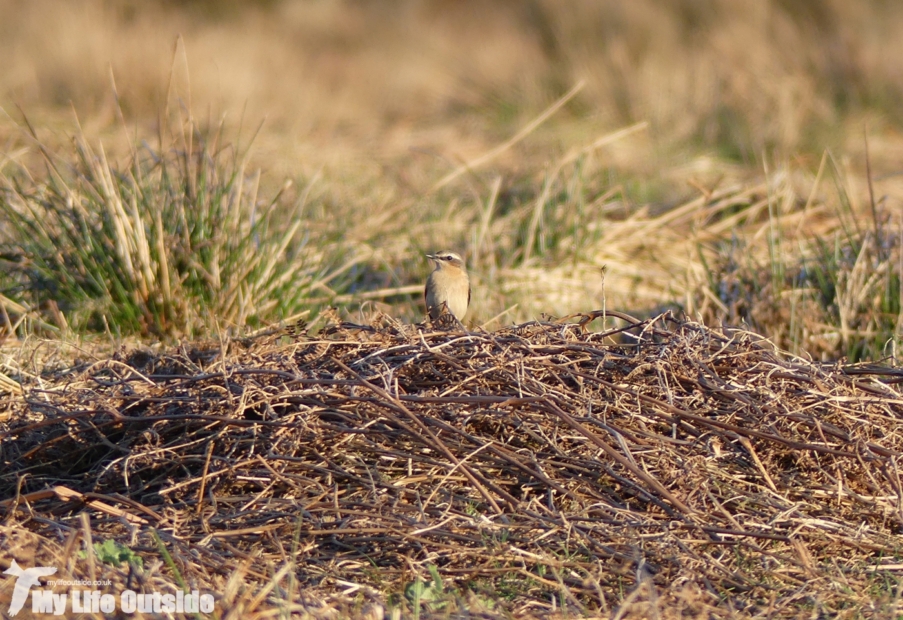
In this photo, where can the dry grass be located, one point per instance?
(554, 240)
(534, 470)
(739, 78)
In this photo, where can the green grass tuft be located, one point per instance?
(158, 246)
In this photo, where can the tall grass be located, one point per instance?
(363, 94)
(173, 240)
(179, 240)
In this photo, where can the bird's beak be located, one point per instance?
(431, 256)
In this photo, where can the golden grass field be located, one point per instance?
(368, 108)
(737, 164)
(379, 102)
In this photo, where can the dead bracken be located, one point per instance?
(661, 467)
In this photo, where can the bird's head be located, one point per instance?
(445, 258)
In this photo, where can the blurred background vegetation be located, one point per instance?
(713, 159)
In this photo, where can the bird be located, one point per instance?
(447, 287)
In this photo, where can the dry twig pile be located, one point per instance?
(537, 467)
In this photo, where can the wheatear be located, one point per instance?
(448, 287)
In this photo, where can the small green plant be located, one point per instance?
(111, 552)
(432, 593)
